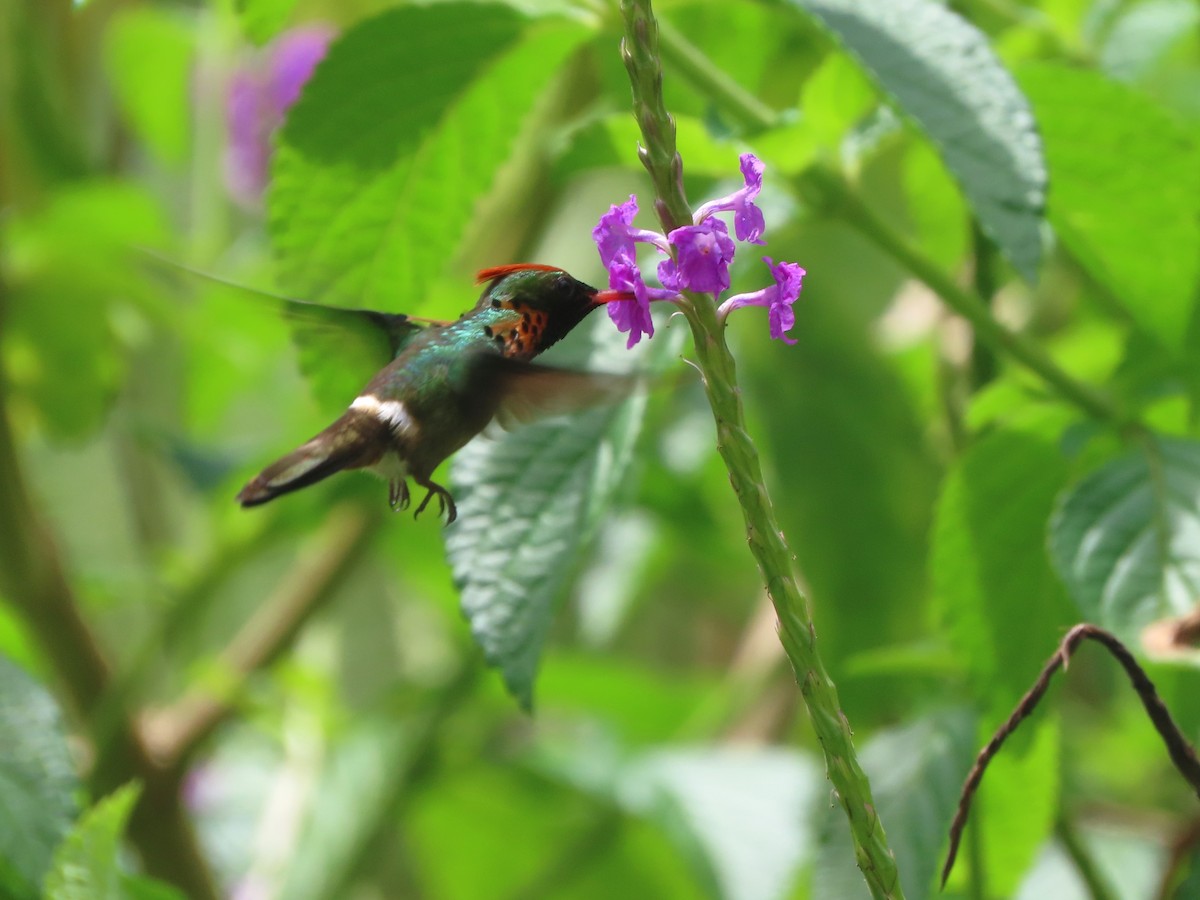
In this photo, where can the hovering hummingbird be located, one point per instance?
(445, 382)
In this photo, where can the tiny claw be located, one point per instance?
(398, 495)
(445, 501)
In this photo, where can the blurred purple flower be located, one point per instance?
(704, 253)
(200, 788)
(260, 94)
(748, 222)
(779, 297)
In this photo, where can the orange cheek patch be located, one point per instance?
(520, 335)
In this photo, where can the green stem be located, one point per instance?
(829, 190)
(711, 82)
(774, 558)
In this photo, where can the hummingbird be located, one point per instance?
(441, 383)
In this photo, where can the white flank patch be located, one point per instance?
(392, 413)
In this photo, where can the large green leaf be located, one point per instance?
(1126, 539)
(483, 833)
(527, 504)
(1017, 803)
(991, 571)
(37, 782)
(400, 131)
(741, 814)
(1125, 193)
(916, 774)
(86, 864)
(941, 73)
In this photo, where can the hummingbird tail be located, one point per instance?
(353, 441)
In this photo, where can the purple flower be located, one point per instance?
(260, 94)
(779, 297)
(634, 317)
(615, 237)
(748, 221)
(704, 253)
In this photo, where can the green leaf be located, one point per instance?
(460, 831)
(263, 19)
(835, 97)
(139, 887)
(916, 774)
(85, 864)
(1145, 34)
(1124, 538)
(1125, 193)
(941, 72)
(37, 781)
(400, 131)
(68, 273)
(640, 705)
(1018, 800)
(528, 503)
(935, 206)
(148, 55)
(991, 571)
(741, 814)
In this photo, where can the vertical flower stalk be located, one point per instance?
(774, 558)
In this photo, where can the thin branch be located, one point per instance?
(1182, 753)
(176, 732)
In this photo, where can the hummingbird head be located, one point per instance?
(548, 302)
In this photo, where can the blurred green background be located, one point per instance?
(294, 688)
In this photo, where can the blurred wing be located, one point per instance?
(339, 350)
(527, 391)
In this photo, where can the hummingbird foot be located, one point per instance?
(445, 501)
(398, 496)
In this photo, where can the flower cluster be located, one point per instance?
(703, 252)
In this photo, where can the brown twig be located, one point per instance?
(1182, 753)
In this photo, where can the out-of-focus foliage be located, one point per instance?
(289, 702)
